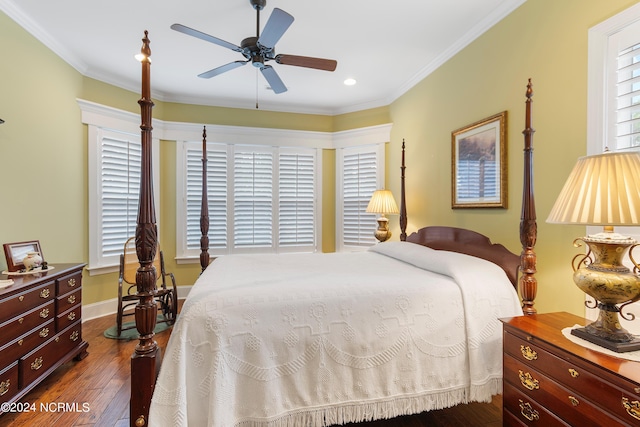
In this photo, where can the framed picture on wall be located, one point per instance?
(479, 164)
(16, 252)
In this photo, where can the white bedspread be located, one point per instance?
(320, 339)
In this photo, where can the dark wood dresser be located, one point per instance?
(40, 327)
(550, 381)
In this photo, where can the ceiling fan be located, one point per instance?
(261, 48)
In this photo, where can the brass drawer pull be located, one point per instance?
(21, 298)
(528, 412)
(71, 283)
(4, 387)
(71, 315)
(44, 333)
(20, 342)
(36, 364)
(632, 408)
(528, 353)
(528, 381)
(574, 373)
(574, 401)
(74, 336)
(45, 293)
(21, 320)
(71, 299)
(44, 313)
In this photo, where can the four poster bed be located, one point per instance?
(323, 339)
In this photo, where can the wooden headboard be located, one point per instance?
(470, 243)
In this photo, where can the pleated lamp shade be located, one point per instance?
(602, 189)
(382, 202)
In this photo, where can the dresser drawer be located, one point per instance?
(68, 300)
(577, 375)
(24, 344)
(26, 322)
(69, 283)
(40, 360)
(68, 317)
(9, 382)
(526, 410)
(24, 301)
(570, 405)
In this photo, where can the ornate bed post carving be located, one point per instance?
(145, 361)
(528, 285)
(204, 208)
(403, 203)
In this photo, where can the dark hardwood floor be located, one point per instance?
(101, 383)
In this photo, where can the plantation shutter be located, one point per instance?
(359, 183)
(296, 201)
(120, 166)
(216, 195)
(252, 198)
(627, 105)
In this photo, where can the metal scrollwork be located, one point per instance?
(4, 387)
(632, 407)
(528, 381)
(528, 353)
(45, 293)
(528, 412)
(581, 260)
(36, 364)
(574, 373)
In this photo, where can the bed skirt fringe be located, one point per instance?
(383, 409)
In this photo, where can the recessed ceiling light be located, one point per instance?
(350, 82)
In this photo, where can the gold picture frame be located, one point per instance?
(479, 164)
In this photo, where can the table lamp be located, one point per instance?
(382, 202)
(604, 190)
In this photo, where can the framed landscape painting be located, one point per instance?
(479, 164)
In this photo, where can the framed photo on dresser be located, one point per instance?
(16, 252)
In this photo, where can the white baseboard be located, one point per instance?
(108, 307)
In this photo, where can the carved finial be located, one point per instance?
(204, 131)
(529, 90)
(146, 50)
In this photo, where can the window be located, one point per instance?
(114, 183)
(360, 173)
(261, 198)
(614, 106)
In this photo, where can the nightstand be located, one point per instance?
(550, 381)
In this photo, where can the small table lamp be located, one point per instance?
(604, 189)
(382, 202)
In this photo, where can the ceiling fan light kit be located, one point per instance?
(260, 49)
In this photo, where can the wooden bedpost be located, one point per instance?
(528, 285)
(204, 207)
(145, 361)
(403, 202)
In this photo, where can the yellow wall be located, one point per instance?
(43, 146)
(545, 40)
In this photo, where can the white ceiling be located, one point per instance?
(387, 46)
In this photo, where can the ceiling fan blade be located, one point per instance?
(206, 37)
(222, 69)
(278, 23)
(273, 79)
(307, 61)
